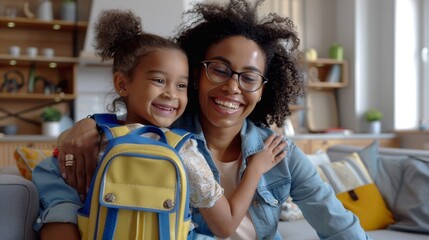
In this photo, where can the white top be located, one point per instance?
(229, 172)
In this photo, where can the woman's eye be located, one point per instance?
(221, 71)
(182, 86)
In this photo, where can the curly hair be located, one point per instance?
(119, 36)
(210, 23)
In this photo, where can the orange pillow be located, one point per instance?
(27, 158)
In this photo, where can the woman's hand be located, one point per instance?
(272, 154)
(78, 149)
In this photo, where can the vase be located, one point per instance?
(45, 11)
(68, 11)
(52, 129)
(375, 127)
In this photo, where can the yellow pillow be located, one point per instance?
(27, 158)
(357, 192)
(368, 205)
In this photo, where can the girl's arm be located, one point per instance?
(226, 214)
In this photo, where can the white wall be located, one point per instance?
(380, 52)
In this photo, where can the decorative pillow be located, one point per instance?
(402, 180)
(386, 171)
(290, 211)
(412, 206)
(354, 187)
(319, 158)
(27, 158)
(346, 174)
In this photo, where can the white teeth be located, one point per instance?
(165, 108)
(232, 105)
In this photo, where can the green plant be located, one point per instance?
(51, 114)
(373, 115)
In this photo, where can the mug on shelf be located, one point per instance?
(48, 52)
(14, 51)
(32, 51)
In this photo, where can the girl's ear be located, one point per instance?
(120, 83)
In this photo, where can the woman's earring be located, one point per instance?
(121, 91)
(259, 99)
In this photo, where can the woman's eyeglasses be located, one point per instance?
(219, 72)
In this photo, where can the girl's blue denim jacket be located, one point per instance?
(295, 176)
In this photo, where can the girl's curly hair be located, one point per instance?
(209, 23)
(119, 36)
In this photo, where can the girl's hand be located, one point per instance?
(80, 143)
(272, 154)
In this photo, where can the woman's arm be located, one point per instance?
(54, 231)
(225, 216)
(82, 141)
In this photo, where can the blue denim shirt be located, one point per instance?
(295, 176)
(58, 201)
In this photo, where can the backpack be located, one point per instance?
(139, 189)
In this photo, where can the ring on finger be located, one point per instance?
(69, 160)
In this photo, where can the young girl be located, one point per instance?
(150, 74)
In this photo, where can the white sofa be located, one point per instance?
(411, 210)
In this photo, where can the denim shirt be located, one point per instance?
(295, 176)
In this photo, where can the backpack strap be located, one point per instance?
(176, 137)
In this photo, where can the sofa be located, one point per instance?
(390, 168)
(402, 177)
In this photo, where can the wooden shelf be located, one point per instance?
(56, 25)
(52, 62)
(296, 107)
(319, 71)
(57, 97)
(326, 85)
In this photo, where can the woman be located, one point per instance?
(246, 73)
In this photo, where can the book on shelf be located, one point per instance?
(334, 74)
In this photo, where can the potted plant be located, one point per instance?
(51, 121)
(373, 117)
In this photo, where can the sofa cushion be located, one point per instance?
(355, 189)
(412, 206)
(27, 158)
(386, 170)
(402, 180)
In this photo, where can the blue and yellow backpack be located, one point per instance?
(140, 189)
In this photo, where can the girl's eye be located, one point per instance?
(159, 81)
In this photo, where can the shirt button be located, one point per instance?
(275, 201)
(39, 220)
(256, 203)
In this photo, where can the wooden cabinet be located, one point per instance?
(312, 142)
(30, 83)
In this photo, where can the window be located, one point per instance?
(424, 70)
